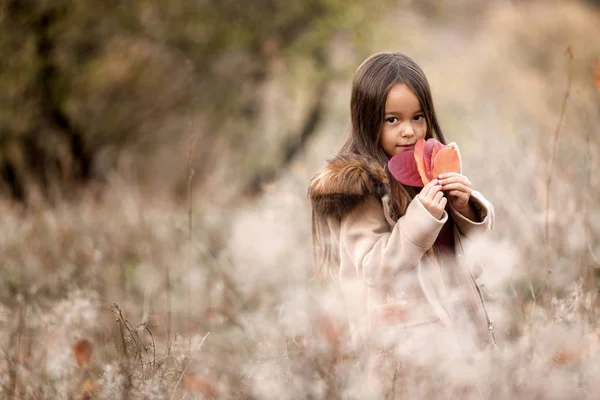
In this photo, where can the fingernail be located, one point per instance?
(441, 176)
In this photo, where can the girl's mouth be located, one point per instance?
(405, 148)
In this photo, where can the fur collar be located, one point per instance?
(344, 183)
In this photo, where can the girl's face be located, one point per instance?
(404, 121)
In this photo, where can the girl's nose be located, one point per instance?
(407, 131)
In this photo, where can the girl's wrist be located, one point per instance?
(469, 212)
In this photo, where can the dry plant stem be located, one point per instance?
(555, 142)
(590, 277)
(123, 343)
(392, 392)
(191, 173)
(125, 324)
(586, 197)
(534, 297)
(21, 333)
(551, 169)
(153, 349)
(11, 386)
(146, 305)
(187, 364)
(168, 287)
(127, 364)
(134, 337)
(519, 302)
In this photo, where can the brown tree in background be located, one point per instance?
(84, 84)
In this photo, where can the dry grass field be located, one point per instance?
(129, 294)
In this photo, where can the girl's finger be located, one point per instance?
(427, 187)
(443, 202)
(433, 191)
(456, 179)
(448, 175)
(456, 186)
(438, 197)
(457, 193)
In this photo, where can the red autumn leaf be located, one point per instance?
(427, 156)
(446, 160)
(404, 169)
(197, 383)
(430, 159)
(438, 146)
(82, 350)
(418, 153)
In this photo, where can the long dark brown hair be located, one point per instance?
(370, 87)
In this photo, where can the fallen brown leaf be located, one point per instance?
(565, 357)
(82, 350)
(587, 348)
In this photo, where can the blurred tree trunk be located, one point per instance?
(85, 86)
(297, 141)
(52, 149)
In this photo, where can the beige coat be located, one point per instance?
(387, 270)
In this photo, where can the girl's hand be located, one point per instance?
(459, 192)
(433, 199)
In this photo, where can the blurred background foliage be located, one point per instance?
(88, 88)
(148, 88)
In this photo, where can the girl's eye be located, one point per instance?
(391, 120)
(419, 117)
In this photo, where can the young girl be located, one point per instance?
(397, 249)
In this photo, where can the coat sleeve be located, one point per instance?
(486, 216)
(379, 251)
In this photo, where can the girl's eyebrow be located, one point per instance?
(399, 113)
